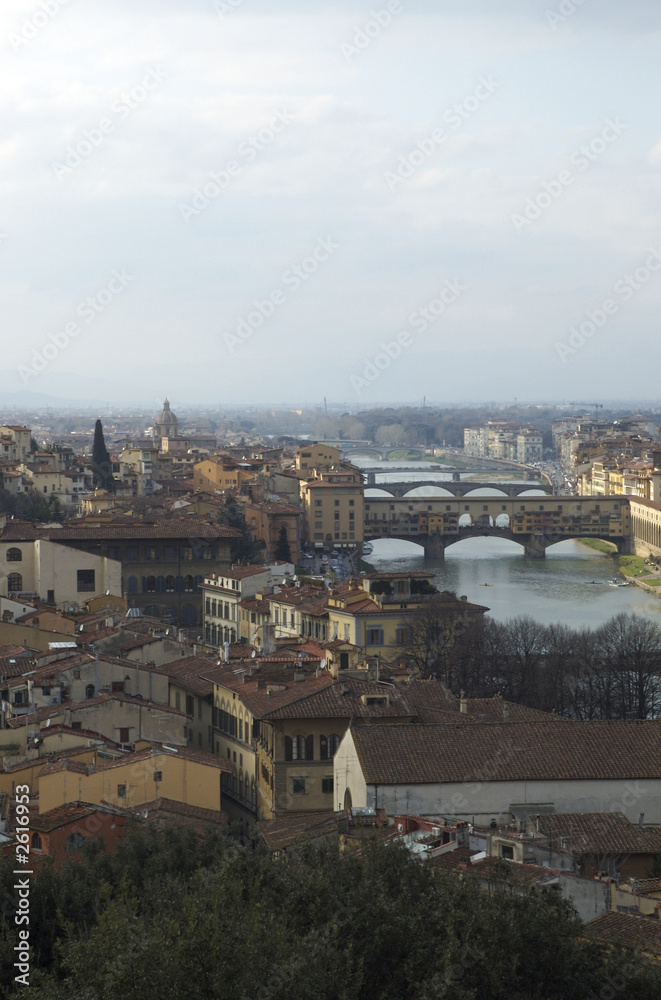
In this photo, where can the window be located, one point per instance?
(299, 748)
(151, 585)
(374, 636)
(121, 791)
(36, 842)
(327, 786)
(152, 553)
(132, 553)
(76, 725)
(89, 691)
(75, 840)
(298, 786)
(507, 852)
(14, 582)
(124, 735)
(14, 555)
(317, 503)
(85, 578)
(117, 686)
(158, 775)
(168, 553)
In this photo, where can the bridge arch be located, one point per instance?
(376, 492)
(428, 491)
(485, 491)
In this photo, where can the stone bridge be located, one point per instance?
(534, 522)
(382, 454)
(456, 488)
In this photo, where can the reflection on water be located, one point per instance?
(571, 585)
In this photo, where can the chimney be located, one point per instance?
(463, 704)
(640, 820)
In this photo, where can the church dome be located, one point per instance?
(166, 416)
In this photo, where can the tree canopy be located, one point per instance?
(322, 924)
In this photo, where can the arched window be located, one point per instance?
(14, 555)
(299, 748)
(323, 748)
(14, 583)
(333, 744)
(214, 635)
(169, 584)
(151, 584)
(74, 841)
(36, 842)
(207, 632)
(188, 583)
(89, 692)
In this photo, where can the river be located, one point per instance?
(559, 588)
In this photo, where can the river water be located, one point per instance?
(559, 588)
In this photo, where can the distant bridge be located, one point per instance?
(382, 454)
(457, 489)
(536, 523)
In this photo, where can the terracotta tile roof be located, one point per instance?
(543, 751)
(162, 807)
(70, 752)
(647, 885)
(430, 694)
(496, 709)
(342, 699)
(253, 604)
(260, 703)
(627, 930)
(63, 764)
(453, 860)
(62, 815)
(176, 528)
(280, 834)
(188, 672)
(523, 875)
(598, 833)
(366, 607)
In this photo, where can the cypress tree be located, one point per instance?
(101, 464)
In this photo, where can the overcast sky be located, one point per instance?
(237, 201)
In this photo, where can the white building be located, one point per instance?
(474, 772)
